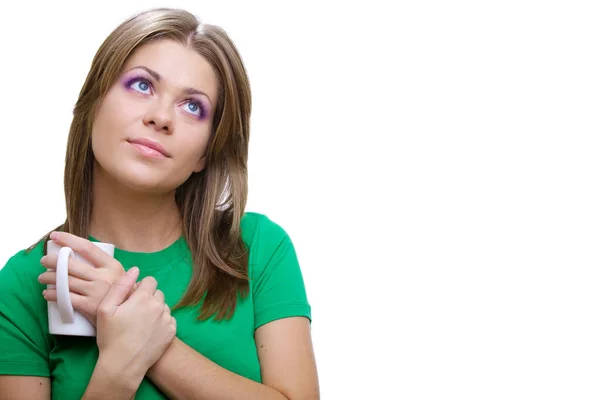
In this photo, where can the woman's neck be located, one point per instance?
(133, 221)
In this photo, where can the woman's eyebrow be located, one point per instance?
(154, 74)
(158, 77)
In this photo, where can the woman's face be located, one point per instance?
(151, 130)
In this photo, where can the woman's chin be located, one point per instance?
(143, 181)
(141, 178)
(148, 185)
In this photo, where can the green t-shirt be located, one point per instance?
(276, 291)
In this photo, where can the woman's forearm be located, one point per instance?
(113, 380)
(183, 373)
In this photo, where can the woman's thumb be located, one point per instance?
(118, 292)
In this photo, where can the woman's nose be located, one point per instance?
(159, 116)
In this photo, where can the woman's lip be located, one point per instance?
(147, 151)
(149, 147)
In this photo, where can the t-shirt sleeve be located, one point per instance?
(24, 343)
(278, 287)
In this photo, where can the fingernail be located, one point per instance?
(132, 270)
(54, 235)
(44, 293)
(43, 259)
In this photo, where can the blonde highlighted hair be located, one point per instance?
(211, 202)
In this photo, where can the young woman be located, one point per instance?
(202, 300)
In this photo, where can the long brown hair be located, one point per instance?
(211, 202)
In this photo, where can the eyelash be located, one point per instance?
(198, 103)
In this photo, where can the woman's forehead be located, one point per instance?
(174, 64)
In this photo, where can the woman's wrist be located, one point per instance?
(115, 376)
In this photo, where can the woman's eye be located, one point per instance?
(140, 85)
(194, 107)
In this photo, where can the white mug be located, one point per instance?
(62, 318)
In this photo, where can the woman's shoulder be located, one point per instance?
(24, 263)
(257, 227)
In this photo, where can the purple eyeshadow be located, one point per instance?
(128, 81)
(202, 103)
(204, 107)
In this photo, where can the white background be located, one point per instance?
(435, 163)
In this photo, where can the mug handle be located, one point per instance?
(63, 298)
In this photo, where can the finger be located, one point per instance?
(167, 312)
(160, 296)
(80, 303)
(81, 269)
(146, 286)
(173, 322)
(77, 268)
(135, 286)
(76, 285)
(118, 292)
(83, 247)
(145, 290)
(166, 315)
(49, 260)
(50, 294)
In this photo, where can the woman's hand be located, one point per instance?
(134, 332)
(88, 284)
